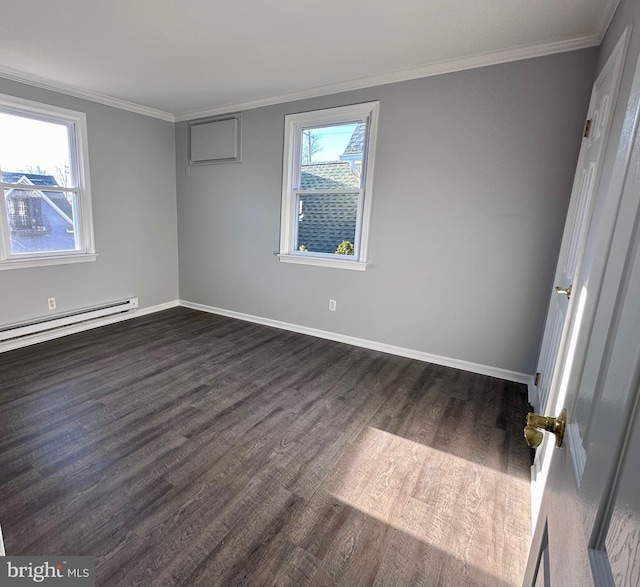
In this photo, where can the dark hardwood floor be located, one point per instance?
(183, 448)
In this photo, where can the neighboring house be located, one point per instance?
(39, 220)
(325, 220)
(354, 149)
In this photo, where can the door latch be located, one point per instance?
(537, 424)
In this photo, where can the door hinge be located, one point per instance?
(536, 381)
(587, 129)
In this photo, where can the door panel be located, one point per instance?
(551, 351)
(580, 222)
(580, 212)
(567, 321)
(593, 527)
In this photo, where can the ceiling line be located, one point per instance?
(61, 88)
(426, 70)
(438, 68)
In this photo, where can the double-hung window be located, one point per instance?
(327, 181)
(45, 212)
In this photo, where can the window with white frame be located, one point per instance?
(326, 193)
(45, 216)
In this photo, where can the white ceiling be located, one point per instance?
(179, 60)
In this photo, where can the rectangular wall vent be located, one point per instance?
(216, 140)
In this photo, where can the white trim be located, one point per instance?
(61, 88)
(323, 262)
(3, 552)
(81, 327)
(359, 342)
(427, 70)
(42, 261)
(83, 197)
(367, 344)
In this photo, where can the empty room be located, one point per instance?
(320, 294)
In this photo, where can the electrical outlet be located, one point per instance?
(332, 305)
(52, 303)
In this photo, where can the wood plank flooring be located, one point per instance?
(189, 449)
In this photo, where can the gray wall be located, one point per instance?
(132, 166)
(473, 177)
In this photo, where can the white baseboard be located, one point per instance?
(370, 344)
(82, 326)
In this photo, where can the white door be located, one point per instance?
(588, 530)
(566, 316)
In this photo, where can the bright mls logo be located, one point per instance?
(69, 571)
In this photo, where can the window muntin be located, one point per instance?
(45, 212)
(326, 202)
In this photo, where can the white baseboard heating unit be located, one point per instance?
(47, 326)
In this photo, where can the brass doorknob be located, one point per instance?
(564, 291)
(536, 424)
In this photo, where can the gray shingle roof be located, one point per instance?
(356, 142)
(332, 175)
(327, 220)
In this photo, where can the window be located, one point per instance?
(326, 193)
(45, 215)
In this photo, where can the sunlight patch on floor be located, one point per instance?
(444, 501)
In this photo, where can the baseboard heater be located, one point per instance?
(15, 331)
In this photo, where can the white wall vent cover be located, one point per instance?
(215, 140)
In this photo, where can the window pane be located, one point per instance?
(327, 223)
(331, 157)
(34, 147)
(41, 220)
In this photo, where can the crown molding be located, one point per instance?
(47, 84)
(428, 70)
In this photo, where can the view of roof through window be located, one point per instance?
(34, 158)
(331, 160)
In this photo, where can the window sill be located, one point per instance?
(44, 261)
(323, 262)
